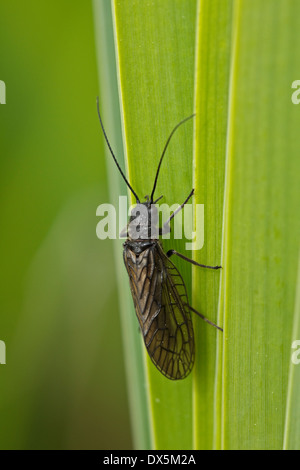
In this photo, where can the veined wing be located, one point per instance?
(161, 306)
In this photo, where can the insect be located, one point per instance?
(158, 290)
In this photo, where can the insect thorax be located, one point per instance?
(143, 222)
(138, 246)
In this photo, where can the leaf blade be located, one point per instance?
(259, 264)
(157, 92)
(211, 100)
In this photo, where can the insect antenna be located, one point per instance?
(113, 155)
(164, 151)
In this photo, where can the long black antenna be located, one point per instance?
(164, 151)
(113, 155)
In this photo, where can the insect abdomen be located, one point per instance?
(162, 308)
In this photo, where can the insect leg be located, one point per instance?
(166, 228)
(204, 318)
(158, 199)
(173, 252)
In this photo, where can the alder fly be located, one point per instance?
(158, 290)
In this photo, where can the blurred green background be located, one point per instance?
(59, 305)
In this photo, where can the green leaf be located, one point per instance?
(212, 83)
(156, 49)
(261, 232)
(111, 114)
(246, 173)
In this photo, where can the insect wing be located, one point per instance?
(161, 306)
(178, 323)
